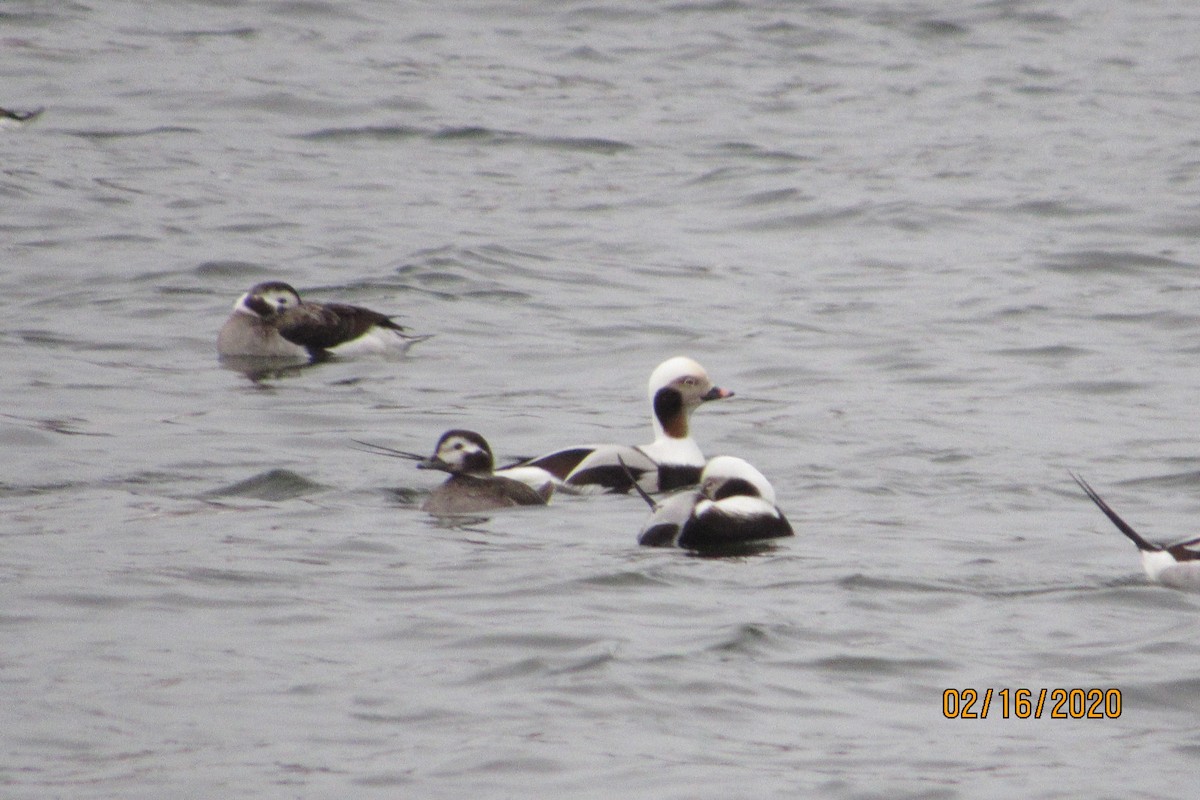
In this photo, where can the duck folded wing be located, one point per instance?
(615, 468)
(717, 528)
(1185, 550)
(323, 326)
(559, 464)
(598, 465)
(525, 495)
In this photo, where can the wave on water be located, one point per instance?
(161, 130)
(1117, 262)
(878, 665)
(274, 484)
(472, 134)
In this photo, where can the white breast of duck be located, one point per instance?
(250, 329)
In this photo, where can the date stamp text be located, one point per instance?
(1032, 703)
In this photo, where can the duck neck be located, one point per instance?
(670, 416)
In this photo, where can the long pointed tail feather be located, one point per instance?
(1121, 524)
(380, 450)
(636, 486)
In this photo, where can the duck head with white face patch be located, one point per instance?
(265, 300)
(461, 452)
(677, 387)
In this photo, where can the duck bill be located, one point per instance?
(433, 463)
(717, 393)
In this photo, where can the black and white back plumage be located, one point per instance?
(673, 460)
(1176, 565)
(733, 507)
(271, 321)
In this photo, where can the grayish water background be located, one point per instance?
(942, 253)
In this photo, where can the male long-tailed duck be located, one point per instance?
(472, 486)
(271, 321)
(1176, 565)
(733, 507)
(673, 460)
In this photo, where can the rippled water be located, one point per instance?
(942, 254)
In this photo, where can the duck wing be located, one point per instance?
(597, 467)
(320, 326)
(559, 464)
(716, 527)
(1185, 550)
(522, 494)
(615, 468)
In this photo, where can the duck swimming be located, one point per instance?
(733, 506)
(472, 486)
(271, 321)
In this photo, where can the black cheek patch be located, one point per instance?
(260, 306)
(478, 462)
(668, 407)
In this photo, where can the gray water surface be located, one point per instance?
(942, 253)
